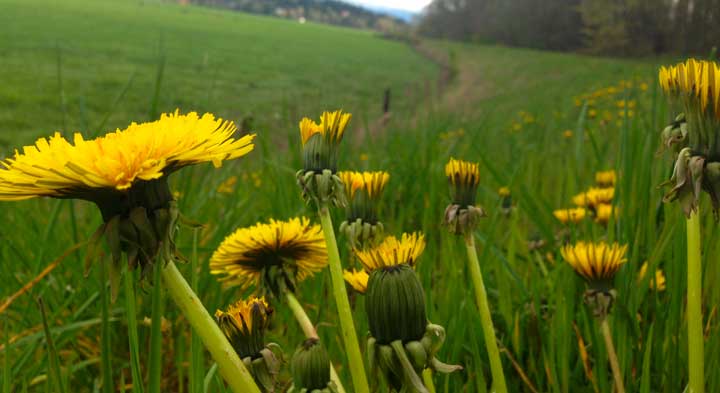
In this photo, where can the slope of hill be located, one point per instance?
(79, 63)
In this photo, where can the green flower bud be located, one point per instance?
(311, 366)
(395, 305)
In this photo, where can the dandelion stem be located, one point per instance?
(696, 363)
(230, 365)
(310, 332)
(352, 347)
(612, 356)
(485, 318)
(428, 380)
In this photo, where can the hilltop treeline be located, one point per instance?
(323, 11)
(618, 27)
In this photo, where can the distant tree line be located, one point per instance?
(618, 27)
(322, 11)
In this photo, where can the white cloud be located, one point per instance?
(410, 5)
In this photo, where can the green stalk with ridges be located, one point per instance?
(485, 318)
(696, 363)
(352, 346)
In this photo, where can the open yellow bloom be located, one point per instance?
(277, 254)
(393, 252)
(603, 212)
(595, 261)
(332, 126)
(83, 169)
(358, 279)
(696, 81)
(656, 283)
(570, 215)
(372, 183)
(605, 178)
(594, 196)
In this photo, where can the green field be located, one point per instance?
(93, 66)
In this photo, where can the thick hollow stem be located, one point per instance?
(612, 356)
(230, 365)
(485, 318)
(696, 363)
(352, 347)
(428, 380)
(309, 329)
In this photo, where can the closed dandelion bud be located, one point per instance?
(402, 343)
(597, 263)
(696, 86)
(363, 190)
(244, 324)
(395, 305)
(318, 179)
(462, 216)
(311, 368)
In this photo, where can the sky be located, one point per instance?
(409, 5)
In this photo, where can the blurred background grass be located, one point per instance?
(94, 66)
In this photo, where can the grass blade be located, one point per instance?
(55, 375)
(155, 368)
(137, 382)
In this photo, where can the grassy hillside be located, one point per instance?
(71, 65)
(539, 123)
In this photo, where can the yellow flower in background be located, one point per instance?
(115, 162)
(364, 157)
(603, 212)
(570, 215)
(393, 252)
(358, 279)
(332, 126)
(567, 134)
(696, 81)
(277, 254)
(244, 324)
(595, 261)
(504, 192)
(462, 172)
(228, 186)
(606, 178)
(372, 183)
(592, 113)
(658, 282)
(643, 86)
(594, 196)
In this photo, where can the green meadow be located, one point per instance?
(539, 123)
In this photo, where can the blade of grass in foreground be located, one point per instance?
(155, 368)
(105, 340)
(56, 379)
(137, 382)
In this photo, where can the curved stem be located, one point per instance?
(352, 346)
(230, 365)
(612, 356)
(428, 380)
(309, 329)
(696, 363)
(485, 318)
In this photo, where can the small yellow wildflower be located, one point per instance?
(656, 283)
(567, 134)
(393, 252)
(570, 215)
(605, 178)
(594, 196)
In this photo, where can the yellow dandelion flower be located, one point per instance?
(113, 163)
(464, 176)
(364, 157)
(332, 126)
(393, 252)
(244, 324)
(595, 261)
(570, 215)
(277, 254)
(594, 196)
(358, 279)
(504, 192)
(695, 81)
(643, 86)
(592, 113)
(605, 178)
(603, 212)
(228, 186)
(372, 183)
(656, 283)
(567, 134)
